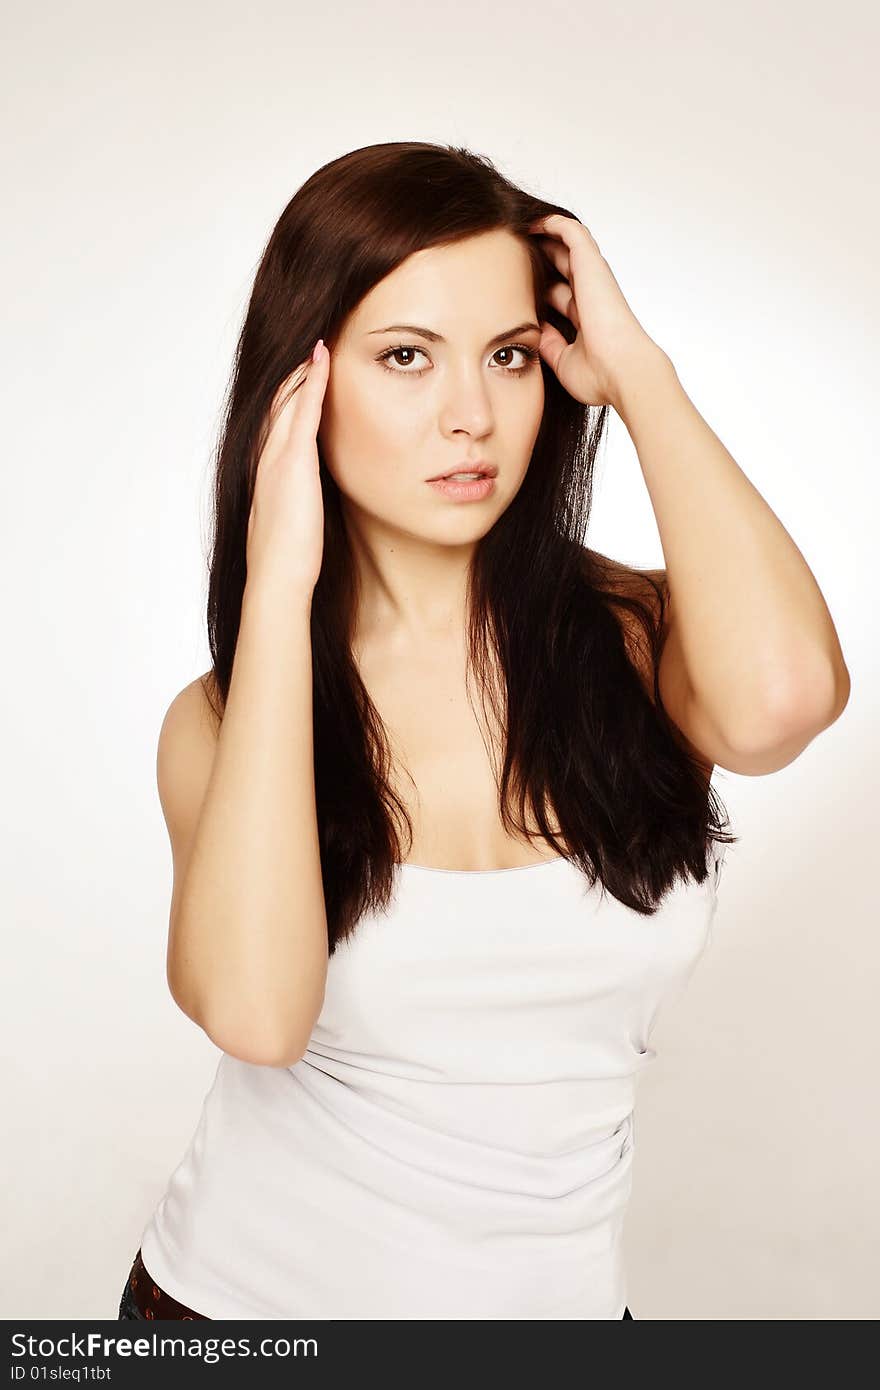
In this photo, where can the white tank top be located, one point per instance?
(457, 1140)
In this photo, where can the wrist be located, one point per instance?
(646, 367)
(273, 600)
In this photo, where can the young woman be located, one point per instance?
(443, 833)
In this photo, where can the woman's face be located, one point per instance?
(401, 407)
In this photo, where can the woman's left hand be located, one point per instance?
(610, 341)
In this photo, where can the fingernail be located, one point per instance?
(317, 352)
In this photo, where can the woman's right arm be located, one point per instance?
(248, 943)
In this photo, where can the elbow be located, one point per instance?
(243, 1038)
(258, 1037)
(797, 710)
(814, 704)
(788, 727)
(266, 1057)
(264, 1027)
(253, 1046)
(843, 687)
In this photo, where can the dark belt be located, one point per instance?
(154, 1302)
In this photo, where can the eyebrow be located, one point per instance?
(433, 337)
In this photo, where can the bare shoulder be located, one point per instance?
(185, 755)
(193, 711)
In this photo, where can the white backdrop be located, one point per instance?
(721, 159)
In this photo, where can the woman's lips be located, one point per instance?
(474, 491)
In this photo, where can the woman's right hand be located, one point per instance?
(285, 537)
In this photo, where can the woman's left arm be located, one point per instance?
(759, 647)
(752, 669)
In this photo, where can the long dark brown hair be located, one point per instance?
(633, 810)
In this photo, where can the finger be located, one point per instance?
(308, 415)
(568, 229)
(561, 298)
(557, 254)
(286, 393)
(552, 233)
(284, 401)
(553, 345)
(550, 222)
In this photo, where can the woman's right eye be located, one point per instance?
(396, 352)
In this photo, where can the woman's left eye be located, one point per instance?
(530, 354)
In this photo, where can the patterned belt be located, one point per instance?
(153, 1302)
